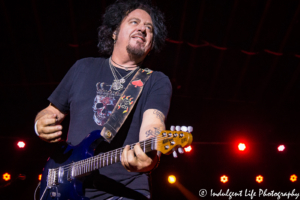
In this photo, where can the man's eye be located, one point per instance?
(134, 22)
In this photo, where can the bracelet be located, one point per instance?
(35, 128)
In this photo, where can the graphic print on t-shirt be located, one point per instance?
(104, 102)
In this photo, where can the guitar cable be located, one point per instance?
(36, 190)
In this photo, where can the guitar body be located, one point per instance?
(68, 188)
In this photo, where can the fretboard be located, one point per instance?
(96, 162)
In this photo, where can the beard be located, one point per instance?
(135, 50)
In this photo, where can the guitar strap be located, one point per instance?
(125, 104)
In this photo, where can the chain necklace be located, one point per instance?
(126, 68)
(117, 84)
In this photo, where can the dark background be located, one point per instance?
(234, 67)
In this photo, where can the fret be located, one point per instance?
(100, 161)
(111, 158)
(97, 163)
(121, 153)
(106, 160)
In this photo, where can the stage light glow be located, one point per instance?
(21, 144)
(40, 177)
(224, 179)
(242, 146)
(281, 148)
(188, 149)
(293, 178)
(172, 179)
(6, 176)
(259, 179)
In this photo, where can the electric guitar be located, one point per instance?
(60, 177)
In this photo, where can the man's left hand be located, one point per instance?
(135, 160)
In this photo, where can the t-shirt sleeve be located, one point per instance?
(60, 97)
(160, 93)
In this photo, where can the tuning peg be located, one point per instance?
(159, 153)
(177, 128)
(172, 128)
(175, 154)
(180, 150)
(184, 128)
(190, 129)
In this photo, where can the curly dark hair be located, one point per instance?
(113, 17)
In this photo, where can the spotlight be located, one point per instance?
(224, 179)
(21, 144)
(293, 178)
(259, 179)
(188, 149)
(281, 148)
(6, 176)
(242, 146)
(40, 177)
(172, 179)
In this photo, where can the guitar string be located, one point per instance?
(105, 156)
(87, 166)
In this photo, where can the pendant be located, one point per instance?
(117, 85)
(122, 80)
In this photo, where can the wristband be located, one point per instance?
(35, 128)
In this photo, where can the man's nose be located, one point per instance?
(142, 28)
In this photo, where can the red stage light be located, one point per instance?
(6, 176)
(293, 178)
(281, 148)
(224, 179)
(21, 144)
(259, 179)
(242, 146)
(40, 177)
(188, 149)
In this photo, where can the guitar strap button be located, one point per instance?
(108, 134)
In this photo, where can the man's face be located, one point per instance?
(136, 33)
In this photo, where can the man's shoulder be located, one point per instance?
(158, 75)
(90, 61)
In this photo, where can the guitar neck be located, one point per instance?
(108, 158)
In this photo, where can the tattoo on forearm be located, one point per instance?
(153, 133)
(159, 115)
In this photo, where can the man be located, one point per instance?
(91, 88)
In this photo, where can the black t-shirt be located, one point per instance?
(86, 93)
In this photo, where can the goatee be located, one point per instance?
(135, 51)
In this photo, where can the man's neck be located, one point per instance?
(126, 60)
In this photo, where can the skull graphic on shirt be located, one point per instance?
(104, 103)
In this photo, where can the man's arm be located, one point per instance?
(47, 124)
(135, 159)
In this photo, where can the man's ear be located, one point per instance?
(114, 36)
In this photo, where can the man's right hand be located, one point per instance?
(48, 129)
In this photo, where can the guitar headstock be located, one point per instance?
(169, 140)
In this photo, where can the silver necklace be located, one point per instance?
(118, 83)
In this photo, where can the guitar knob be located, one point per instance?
(175, 154)
(180, 150)
(190, 129)
(172, 128)
(177, 128)
(184, 128)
